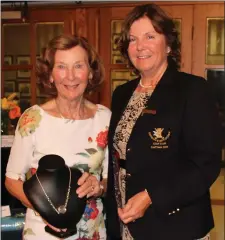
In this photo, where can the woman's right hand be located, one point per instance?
(54, 228)
(89, 186)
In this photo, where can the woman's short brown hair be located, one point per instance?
(162, 23)
(45, 63)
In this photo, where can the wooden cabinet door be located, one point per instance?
(182, 14)
(208, 62)
(203, 13)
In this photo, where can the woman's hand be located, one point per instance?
(89, 185)
(54, 228)
(135, 207)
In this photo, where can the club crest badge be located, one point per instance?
(159, 138)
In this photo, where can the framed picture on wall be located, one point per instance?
(118, 59)
(116, 83)
(24, 89)
(115, 38)
(8, 60)
(9, 86)
(23, 60)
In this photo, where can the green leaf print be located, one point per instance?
(28, 231)
(84, 167)
(83, 154)
(91, 150)
(100, 149)
(29, 121)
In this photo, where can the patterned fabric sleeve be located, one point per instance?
(21, 154)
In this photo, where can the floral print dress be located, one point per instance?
(82, 144)
(123, 130)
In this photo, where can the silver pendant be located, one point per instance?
(62, 209)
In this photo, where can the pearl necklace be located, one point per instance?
(62, 208)
(147, 86)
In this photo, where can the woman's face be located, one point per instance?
(147, 49)
(71, 72)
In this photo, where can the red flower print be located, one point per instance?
(33, 171)
(90, 140)
(95, 211)
(26, 119)
(102, 139)
(96, 236)
(116, 155)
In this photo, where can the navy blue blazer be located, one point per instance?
(174, 152)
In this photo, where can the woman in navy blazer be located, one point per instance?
(164, 139)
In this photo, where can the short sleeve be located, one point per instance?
(21, 153)
(20, 157)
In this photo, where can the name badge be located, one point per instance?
(148, 111)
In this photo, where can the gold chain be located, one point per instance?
(61, 209)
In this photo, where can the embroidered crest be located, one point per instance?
(158, 138)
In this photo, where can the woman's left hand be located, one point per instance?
(89, 185)
(135, 207)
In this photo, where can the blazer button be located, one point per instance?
(129, 149)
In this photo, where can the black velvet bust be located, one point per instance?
(54, 177)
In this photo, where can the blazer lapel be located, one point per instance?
(122, 100)
(161, 90)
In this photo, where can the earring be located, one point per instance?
(90, 80)
(168, 50)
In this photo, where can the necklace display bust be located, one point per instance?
(52, 189)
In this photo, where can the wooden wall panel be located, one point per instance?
(81, 22)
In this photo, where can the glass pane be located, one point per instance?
(20, 86)
(41, 97)
(119, 77)
(10, 83)
(215, 41)
(23, 73)
(177, 22)
(117, 26)
(116, 57)
(45, 32)
(216, 79)
(16, 42)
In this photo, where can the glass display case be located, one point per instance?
(215, 41)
